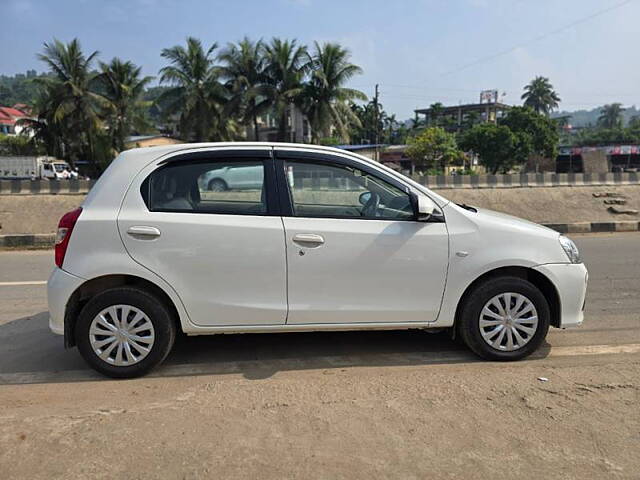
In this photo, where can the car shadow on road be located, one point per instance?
(30, 353)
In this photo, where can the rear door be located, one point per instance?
(355, 252)
(222, 251)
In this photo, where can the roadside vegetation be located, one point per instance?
(84, 109)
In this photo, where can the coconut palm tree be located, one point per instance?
(122, 87)
(197, 97)
(66, 104)
(540, 96)
(285, 67)
(243, 68)
(325, 100)
(611, 116)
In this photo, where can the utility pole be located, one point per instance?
(377, 122)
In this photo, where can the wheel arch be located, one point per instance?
(541, 281)
(92, 287)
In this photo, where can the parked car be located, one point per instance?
(231, 177)
(328, 241)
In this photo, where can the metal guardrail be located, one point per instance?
(34, 187)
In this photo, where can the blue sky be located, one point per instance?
(419, 51)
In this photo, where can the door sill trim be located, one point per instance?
(305, 327)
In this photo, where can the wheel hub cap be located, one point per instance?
(121, 335)
(508, 321)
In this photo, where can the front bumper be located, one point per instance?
(570, 280)
(60, 287)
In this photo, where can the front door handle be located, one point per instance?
(143, 231)
(308, 239)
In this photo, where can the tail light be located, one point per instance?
(65, 228)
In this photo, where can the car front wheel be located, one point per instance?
(504, 318)
(125, 332)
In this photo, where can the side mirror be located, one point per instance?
(364, 198)
(424, 207)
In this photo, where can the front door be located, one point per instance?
(355, 253)
(222, 251)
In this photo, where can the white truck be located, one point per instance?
(33, 168)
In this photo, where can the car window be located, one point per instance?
(227, 187)
(334, 190)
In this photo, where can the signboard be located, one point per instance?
(489, 96)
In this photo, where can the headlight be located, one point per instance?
(570, 249)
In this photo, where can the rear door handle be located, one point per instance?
(143, 231)
(308, 239)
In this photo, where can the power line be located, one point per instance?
(537, 38)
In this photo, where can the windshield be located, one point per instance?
(59, 167)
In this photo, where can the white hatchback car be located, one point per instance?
(325, 240)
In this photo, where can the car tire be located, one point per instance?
(481, 329)
(150, 324)
(217, 185)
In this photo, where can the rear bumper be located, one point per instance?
(570, 281)
(60, 287)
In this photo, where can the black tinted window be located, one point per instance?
(228, 187)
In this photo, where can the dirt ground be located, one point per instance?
(468, 421)
(40, 213)
(549, 204)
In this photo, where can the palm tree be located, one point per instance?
(122, 87)
(286, 65)
(196, 96)
(540, 96)
(611, 116)
(325, 99)
(243, 68)
(67, 106)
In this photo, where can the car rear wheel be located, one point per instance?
(504, 318)
(125, 332)
(217, 185)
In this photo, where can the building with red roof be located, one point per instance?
(9, 116)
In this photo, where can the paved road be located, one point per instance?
(30, 353)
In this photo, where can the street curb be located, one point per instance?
(47, 240)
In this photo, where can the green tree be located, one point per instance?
(122, 86)
(540, 96)
(286, 66)
(67, 107)
(435, 113)
(432, 149)
(496, 145)
(197, 97)
(536, 134)
(243, 68)
(611, 116)
(325, 99)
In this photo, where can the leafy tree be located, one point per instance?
(540, 96)
(67, 108)
(433, 148)
(286, 66)
(122, 87)
(196, 97)
(611, 116)
(325, 99)
(435, 114)
(496, 145)
(369, 122)
(536, 133)
(18, 145)
(243, 68)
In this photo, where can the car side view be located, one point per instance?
(308, 239)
